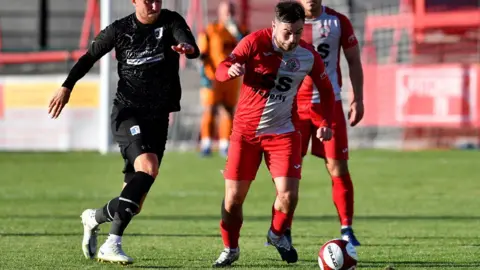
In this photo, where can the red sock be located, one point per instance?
(280, 221)
(230, 233)
(342, 193)
(289, 217)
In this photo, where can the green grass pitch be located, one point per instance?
(414, 210)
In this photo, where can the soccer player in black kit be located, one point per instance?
(147, 45)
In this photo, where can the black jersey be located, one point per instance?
(147, 66)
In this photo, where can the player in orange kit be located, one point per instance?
(216, 43)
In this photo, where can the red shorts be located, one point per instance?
(337, 147)
(282, 152)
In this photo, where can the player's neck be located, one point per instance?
(143, 20)
(276, 47)
(279, 49)
(314, 13)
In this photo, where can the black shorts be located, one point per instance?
(137, 134)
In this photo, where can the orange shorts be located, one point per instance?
(282, 154)
(337, 147)
(223, 93)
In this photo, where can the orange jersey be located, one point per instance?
(215, 44)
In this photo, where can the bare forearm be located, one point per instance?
(356, 78)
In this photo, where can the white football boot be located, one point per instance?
(90, 233)
(112, 252)
(227, 257)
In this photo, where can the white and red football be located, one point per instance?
(337, 254)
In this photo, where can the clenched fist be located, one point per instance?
(324, 134)
(236, 70)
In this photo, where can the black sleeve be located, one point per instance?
(183, 34)
(101, 45)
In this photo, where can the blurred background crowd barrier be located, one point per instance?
(421, 63)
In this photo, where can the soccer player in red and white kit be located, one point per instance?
(274, 62)
(330, 31)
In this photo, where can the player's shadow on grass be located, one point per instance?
(421, 264)
(210, 235)
(200, 266)
(152, 267)
(310, 218)
(266, 218)
(22, 234)
(265, 265)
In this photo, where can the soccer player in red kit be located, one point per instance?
(329, 31)
(274, 62)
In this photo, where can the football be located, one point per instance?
(337, 254)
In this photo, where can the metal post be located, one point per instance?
(43, 25)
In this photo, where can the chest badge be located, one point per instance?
(293, 64)
(325, 31)
(158, 33)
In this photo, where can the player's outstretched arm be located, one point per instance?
(101, 45)
(182, 34)
(322, 113)
(234, 65)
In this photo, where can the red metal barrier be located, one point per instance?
(34, 57)
(92, 16)
(422, 95)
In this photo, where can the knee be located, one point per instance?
(233, 200)
(225, 112)
(288, 199)
(235, 194)
(337, 167)
(147, 163)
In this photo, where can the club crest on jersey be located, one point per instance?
(292, 64)
(324, 31)
(158, 33)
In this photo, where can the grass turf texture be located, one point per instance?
(414, 210)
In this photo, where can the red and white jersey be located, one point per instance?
(267, 102)
(328, 33)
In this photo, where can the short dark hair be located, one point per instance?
(289, 12)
